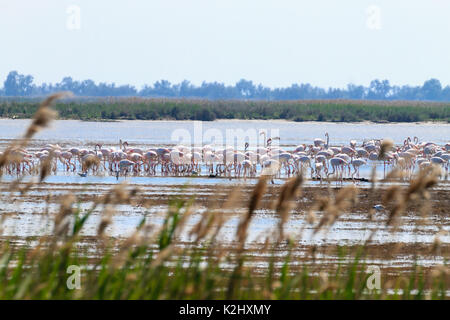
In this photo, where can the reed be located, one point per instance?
(207, 110)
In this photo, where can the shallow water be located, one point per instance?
(351, 229)
(160, 132)
(33, 216)
(73, 133)
(31, 219)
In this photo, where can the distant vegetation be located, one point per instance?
(207, 110)
(20, 85)
(380, 101)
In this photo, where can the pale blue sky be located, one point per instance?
(276, 43)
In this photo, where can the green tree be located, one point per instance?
(432, 89)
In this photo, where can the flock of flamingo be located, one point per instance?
(321, 159)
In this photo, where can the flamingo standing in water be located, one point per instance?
(328, 140)
(248, 168)
(124, 165)
(357, 163)
(106, 154)
(320, 166)
(265, 136)
(66, 159)
(318, 142)
(318, 156)
(338, 167)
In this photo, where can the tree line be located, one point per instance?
(17, 84)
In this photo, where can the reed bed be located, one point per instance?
(153, 263)
(207, 110)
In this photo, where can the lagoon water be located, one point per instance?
(33, 217)
(139, 132)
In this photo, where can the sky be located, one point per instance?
(327, 43)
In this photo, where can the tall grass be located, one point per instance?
(153, 263)
(191, 109)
